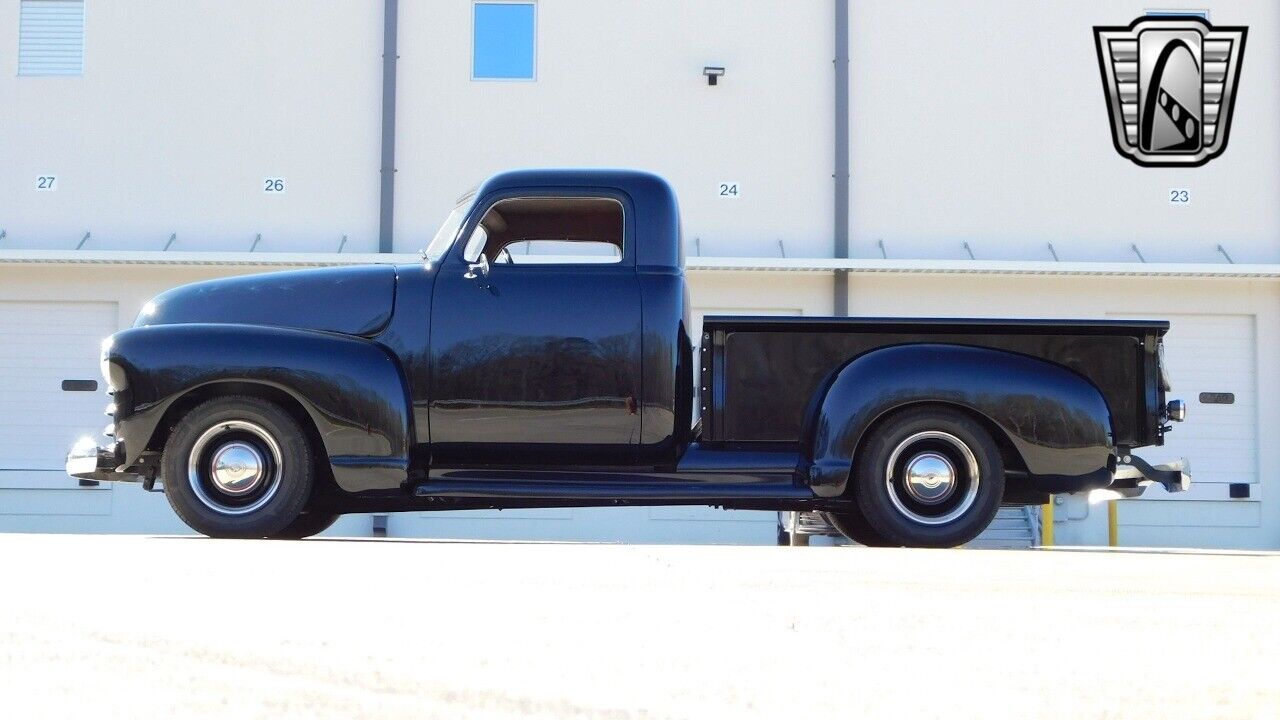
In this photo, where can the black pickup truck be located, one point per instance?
(541, 355)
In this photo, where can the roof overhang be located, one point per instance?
(695, 264)
(987, 267)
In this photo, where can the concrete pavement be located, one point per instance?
(128, 627)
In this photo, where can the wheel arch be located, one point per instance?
(349, 393)
(1009, 453)
(272, 393)
(1053, 427)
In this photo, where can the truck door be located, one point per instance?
(535, 336)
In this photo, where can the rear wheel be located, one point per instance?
(238, 467)
(308, 523)
(853, 524)
(928, 477)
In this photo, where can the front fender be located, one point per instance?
(1057, 421)
(351, 388)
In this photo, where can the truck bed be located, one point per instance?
(759, 373)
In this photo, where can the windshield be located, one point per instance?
(449, 229)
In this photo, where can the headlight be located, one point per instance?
(112, 373)
(104, 362)
(147, 312)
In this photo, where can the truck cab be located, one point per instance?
(559, 324)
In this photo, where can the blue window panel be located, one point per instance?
(503, 41)
(51, 37)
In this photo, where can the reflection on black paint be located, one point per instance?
(501, 369)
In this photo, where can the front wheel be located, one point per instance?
(238, 467)
(927, 477)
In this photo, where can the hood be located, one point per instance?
(354, 300)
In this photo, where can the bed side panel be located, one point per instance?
(766, 378)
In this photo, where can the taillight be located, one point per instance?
(1165, 384)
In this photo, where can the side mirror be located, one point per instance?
(482, 265)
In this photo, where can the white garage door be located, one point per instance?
(1212, 365)
(44, 344)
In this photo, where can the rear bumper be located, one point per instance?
(88, 461)
(1131, 480)
(1134, 475)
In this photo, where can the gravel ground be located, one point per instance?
(131, 627)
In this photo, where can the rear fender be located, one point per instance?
(351, 388)
(1057, 421)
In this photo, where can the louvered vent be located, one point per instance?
(51, 37)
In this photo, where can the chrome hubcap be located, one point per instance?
(238, 468)
(235, 467)
(932, 477)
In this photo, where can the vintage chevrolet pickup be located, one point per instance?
(541, 356)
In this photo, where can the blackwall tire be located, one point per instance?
(928, 477)
(853, 525)
(238, 467)
(308, 524)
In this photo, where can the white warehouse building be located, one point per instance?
(861, 157)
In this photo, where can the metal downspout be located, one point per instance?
(386, 212)
(840, 303)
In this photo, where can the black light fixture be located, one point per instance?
(713, 73)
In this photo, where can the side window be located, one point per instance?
(503, 40)
(559, 230)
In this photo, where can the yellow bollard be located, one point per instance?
(1113, 524)
(1046, 523)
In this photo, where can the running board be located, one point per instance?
(613, 490)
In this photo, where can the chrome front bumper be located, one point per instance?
(89, 461)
